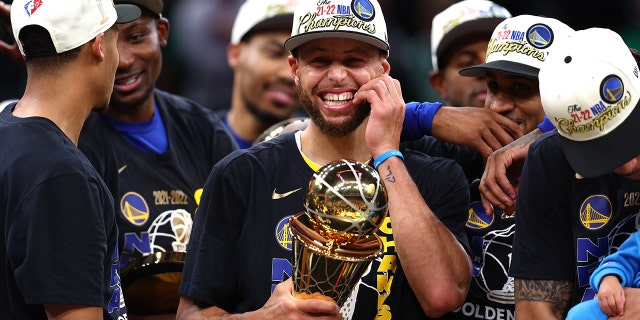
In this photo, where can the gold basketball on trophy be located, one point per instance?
(346, 201)
(334, 239)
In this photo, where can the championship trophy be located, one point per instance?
(334, 239)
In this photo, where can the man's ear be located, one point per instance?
(163, 27)
(96, 47)
(293, 64)
(234, 50)
(436, 78)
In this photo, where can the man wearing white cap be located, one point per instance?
(578, 197)
(263, 91)
(239, 258)
(459, 38)
(59, 246)
(516, 50)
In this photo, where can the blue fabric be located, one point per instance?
(149, 136)
(418, 119)
(587, 310)
(546, 125)
(242, 144)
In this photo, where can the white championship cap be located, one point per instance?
(591, 94)
(71, 23)
(462, 20)
(352, 19)
(520, 45)
(257, 15)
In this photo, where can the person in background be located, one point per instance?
(59, 245)
(154, 150)
(511, 77)
(459, 38)
(237, 266)
(577, 201)
(263, 91)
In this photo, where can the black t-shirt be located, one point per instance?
(565, 225)
(59, 243)
(240, 248)
(157, 195)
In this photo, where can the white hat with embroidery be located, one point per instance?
(260, 15)
(591, 94)
(352, 19)
(70, 23)
(520, 45)
(461, 21)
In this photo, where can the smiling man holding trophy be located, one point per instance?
(241, 254)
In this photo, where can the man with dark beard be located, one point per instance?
(240, 254)
(263, 91)
(154, 150)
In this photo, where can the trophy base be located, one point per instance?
(331, 272)
(150, 283)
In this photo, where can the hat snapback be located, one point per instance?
(520, 45)
(70, 23)
(352, 19)
(591, 93)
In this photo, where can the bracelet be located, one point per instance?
(386, 155)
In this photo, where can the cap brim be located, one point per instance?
(127, 13)
(275, 23)
(480, 70)
(301, 39)
(596, 157)
(474, 27)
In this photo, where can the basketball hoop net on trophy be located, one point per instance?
(335, 240)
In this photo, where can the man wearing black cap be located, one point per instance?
(59, 246)
(154, 151)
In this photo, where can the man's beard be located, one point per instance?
(129, 107)
(341, 129)
(268, 118)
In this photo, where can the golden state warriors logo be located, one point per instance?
(283, 235)
(595, 212)
(134, 208)
(363, 9)
(611, 89)
(478, 218)
(540, 36)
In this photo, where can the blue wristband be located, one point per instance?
(418, 119)
(383, 157)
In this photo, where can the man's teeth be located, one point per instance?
(337, 98)
(127, 80)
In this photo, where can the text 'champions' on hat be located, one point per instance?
(70, 23)
(260, 15)
(590, 89)
(520, 45)
(462, 20)
(360, 20)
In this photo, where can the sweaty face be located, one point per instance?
(139, 46)
(263, 77)
(328, 73)
(458, 90)
(515, 97)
